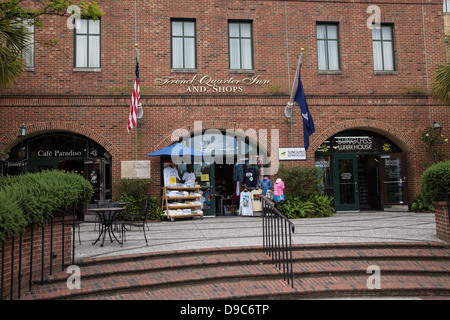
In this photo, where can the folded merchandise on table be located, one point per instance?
(181, 212)
(175, 193)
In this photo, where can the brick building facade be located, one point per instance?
(354, 98)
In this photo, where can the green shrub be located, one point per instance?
(134, 191)
(419, 204)
(134, 206)
(33, 198)
(317, 206)
(309, 178)
(435, 182)
(136, 188)
(323, 206)
(12, 220)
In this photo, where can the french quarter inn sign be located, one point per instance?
(207, 83)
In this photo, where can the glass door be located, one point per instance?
(93, 172)
(393, 177)
(345, 176)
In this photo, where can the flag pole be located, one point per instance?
(137, 128)
(290, 104)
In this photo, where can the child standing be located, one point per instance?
(278, 190)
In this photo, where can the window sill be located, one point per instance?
(336, 72)
(29, 69)
(183, 70)
(393, 72)
(87, 70)
(238, 71)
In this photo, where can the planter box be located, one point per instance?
(441, 213)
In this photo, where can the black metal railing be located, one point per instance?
(45, 253)
(277, 238)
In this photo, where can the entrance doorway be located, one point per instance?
(66, 152)
(363, 171)
(345, 176)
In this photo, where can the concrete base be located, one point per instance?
(396, 208)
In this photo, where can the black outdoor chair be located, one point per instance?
(100, 204)
(144, 211)
(76, 223)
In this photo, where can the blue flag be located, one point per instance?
(308, 123)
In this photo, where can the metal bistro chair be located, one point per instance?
(101, 204)
(145, 209)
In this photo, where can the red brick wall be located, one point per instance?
(37, 255)
(96, 104)
(442, 220)
(280, 29)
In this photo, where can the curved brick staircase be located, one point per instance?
(419, 269)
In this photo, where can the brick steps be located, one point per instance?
(247, 273)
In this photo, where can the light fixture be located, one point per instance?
(22, 131)
(288, 110)
(140, 111)
(437, 127)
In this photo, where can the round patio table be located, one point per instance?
(107, 218)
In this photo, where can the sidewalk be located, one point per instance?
(232, 231)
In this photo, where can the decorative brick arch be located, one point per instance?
(9, 140)
(392, 133)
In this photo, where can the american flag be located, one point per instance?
(135, 99)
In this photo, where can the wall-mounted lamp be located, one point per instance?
(22, 151)
(22, 131)
(437, 127)
(140, 112)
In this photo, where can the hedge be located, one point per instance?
(435, 182)
(33, 198)
(302, 181)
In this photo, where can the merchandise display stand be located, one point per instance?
(179, 207)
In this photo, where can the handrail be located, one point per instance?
(277, 238)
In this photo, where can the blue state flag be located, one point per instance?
(308, 123)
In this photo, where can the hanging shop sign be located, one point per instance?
(291, 154)
(209, 84)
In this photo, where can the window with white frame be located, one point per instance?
(240, 45)
(87, 44)
(447, 6)
(183, 44)
(28, 51)
(383, 48)
(328, 47)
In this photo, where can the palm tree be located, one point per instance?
(441, 83)
(14, 38)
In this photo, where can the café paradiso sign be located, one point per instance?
(209, 84)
